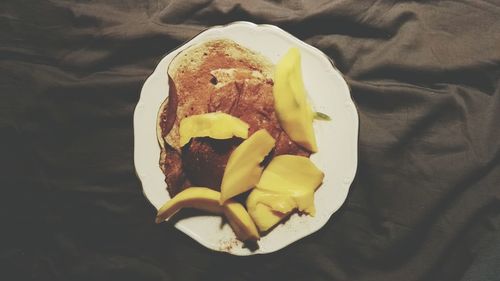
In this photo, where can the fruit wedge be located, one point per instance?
(294, 176)
(216, 125)
(288, 183)
(263, 216)
(206, 199)
(243, 168)
(290, 100)
(201, 198)
(241, 222)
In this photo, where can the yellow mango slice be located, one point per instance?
(243, 168)
(263, 216)
(288, 183)
(206, 199)
(290, 101)
(194, 197)
(241, 222)
(293, 176)
(278, 202)
(216, 125)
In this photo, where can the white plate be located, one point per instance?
(337, 139)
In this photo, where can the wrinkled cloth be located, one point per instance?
(425, 203)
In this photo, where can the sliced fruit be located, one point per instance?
(294, 176)
(206, 199)
(216, 125)
(201, 198)
(290, 100)
(263, 216)
(288, 183)
(241, 222)
(243, 168)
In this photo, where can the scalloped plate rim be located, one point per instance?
(138, 111)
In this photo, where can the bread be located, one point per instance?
(218, 75)
(191, 70)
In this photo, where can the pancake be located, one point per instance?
(217, 75)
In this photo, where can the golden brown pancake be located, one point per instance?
(223, 76)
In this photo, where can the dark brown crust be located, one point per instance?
(284, 145)
(169, 115)
(204, 160)
(171, 165)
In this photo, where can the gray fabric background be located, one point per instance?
(425, 204)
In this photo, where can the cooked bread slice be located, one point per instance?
(192, 72)
(217, 75)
